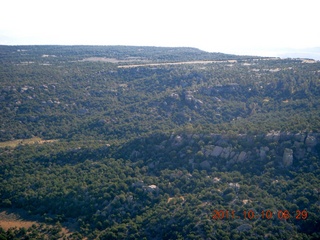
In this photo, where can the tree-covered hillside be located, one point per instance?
(159, 143)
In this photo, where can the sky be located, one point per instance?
(251, 27)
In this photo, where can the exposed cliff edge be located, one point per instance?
(203, 151)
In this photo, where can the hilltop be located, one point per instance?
(126, 142)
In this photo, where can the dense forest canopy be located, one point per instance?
(148, 142)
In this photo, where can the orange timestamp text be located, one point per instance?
(264, 214)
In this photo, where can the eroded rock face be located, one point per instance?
(177, 141)
(287, 157)
(281, 147)
(242, 156)
(214, 151)
(273, 136)
(234, 185)
(311, 141)
(151, 188)
(262, 153)
(217, 151)
(299, 137)
(205, 165)
(226, 153)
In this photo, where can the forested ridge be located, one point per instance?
(149, 142)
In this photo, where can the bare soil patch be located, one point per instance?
(15, 218)
(16, 224)
(18, 218)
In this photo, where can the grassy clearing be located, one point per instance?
(17, 142)
(15, 218)
(18, 218)
(7, 224)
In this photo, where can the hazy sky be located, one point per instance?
(231, 26)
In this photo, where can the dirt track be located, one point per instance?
(172, 63)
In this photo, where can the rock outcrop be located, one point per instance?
(287, 157)
(311, 141)
(242, 156)
(205, 165)
(207, 151)
(217, 151)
